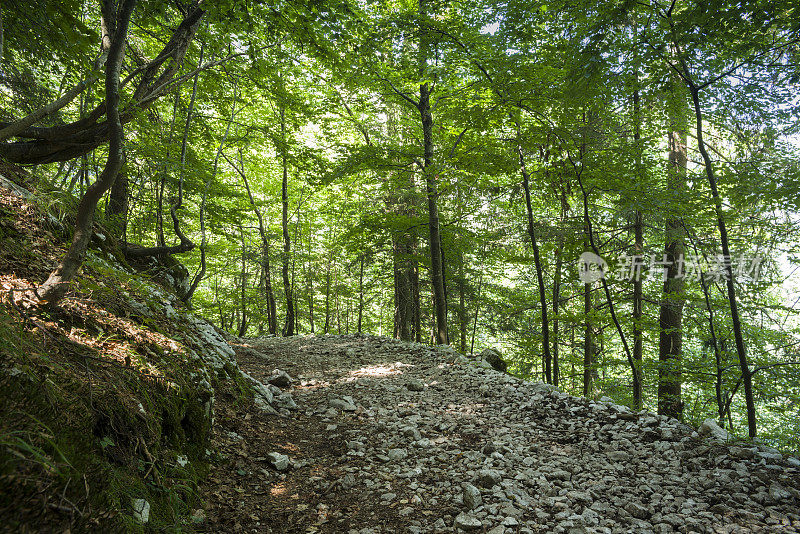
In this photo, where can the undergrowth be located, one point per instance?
(102, 400)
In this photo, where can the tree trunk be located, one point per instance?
(415, 295)
(202, 271)
(590, 242)
(310, 284)
(337, 310)
(115, 30)
(435, 242)
(588, 341)
(744, 365)
(671, 311)
(288, 329)
(637, 227)
(162, 178)
(295, 298)
(402, 265)
(557, 292)
(243, 296)
(360, 293)
(331, 263)
(117, 208)
(463, 318)
(638, 247)
(638, 386)
(475, 317)
(272, 321)
(536, 261)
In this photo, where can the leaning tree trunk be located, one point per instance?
(115, 29)
(744, 365)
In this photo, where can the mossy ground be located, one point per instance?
(99, 402)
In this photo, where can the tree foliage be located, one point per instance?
(298, 156)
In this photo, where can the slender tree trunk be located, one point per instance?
(288, 329)
(637, 229)
(295, 297)
(611, 308)
(744, 365)
(202, 270)
(331, 264)
(243, 325)
(310, 284)
(162, 179)
(536, 261)
(588, 340)
(115, 30)
(463, 318)
(716, 347)
(397, 320)
(360, 293)
(272, 321)
(475, 317)
(556, 303)
(337, 310)
(637, 315)
(671, 311)
(415, 295)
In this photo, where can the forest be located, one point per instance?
(606, 192)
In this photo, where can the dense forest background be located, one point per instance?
(434, 171)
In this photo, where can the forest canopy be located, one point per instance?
(606, 191)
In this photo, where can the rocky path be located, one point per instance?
(391, 437)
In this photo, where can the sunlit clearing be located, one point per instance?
(377, 371)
